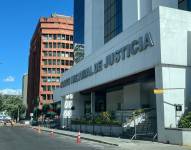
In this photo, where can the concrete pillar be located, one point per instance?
(94, 25)
(93, 102)
(174, 81)
(88, 27)
(98, 24)
(144, 8)
(130, 13)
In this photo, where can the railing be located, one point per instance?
(144, 124)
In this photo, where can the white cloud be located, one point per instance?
(9, 79)
(11, 91)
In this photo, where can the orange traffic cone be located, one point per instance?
(39, 130)
(78, 141)
(52, 133)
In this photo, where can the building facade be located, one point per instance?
(132, 48)
(51, 54)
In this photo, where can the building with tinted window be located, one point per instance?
(51, 55)
(137, 61)
(79, 16)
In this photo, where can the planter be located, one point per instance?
(104, 130)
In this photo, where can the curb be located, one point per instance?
(73, 136)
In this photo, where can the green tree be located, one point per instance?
(1, 102)
(13, 105)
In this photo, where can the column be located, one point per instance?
(93, 102)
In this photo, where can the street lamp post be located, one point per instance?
(18, 114)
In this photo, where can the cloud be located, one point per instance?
(11, 91)
(9, 79)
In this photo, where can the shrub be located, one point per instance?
(185, 121)
(104, 118)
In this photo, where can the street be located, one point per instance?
(17, 138)
(22, 138)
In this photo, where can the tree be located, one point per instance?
(1, 102)
(13, 105)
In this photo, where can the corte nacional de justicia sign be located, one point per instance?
(136, 46)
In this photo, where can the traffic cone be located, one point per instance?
(52, 133)
(39, 130)
(78, 141)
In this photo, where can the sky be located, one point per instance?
(18, 20)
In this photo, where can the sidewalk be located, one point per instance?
(122, 143)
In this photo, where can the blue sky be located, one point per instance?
(18, 20)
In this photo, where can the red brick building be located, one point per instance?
(51, 54)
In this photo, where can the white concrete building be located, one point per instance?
(131, 48)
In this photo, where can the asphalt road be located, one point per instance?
(21, 138)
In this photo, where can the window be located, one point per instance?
(44, 88)
(71, 46)
(59, 45)
(112, 19)
(49, 70)
(53, 71)
(63, 45)
(45, 62)
(54, 37)
(45, 45)
(54, 62)
(54, 54)
(49, 62)
(49, 97)
(62, 70)
(71, 38)
(44, 79)
(67, 46)
(58, 62)
(67, 62)
(62, 62)
(50, 54)
(44, 70)
(50, 45)
(184, 4)
(59, 36)
(62, 54)
(58, 54)
(44, 97)
(54, 45)
(67, 37)
(50, 37)
(58, 71)
(71, 63)
(53, 79)
(45, 53)
(72, 55)
(49, 88)
(66, 54)
(63, 36)
(53, 88)
(57, 79)
(49, 79)
(45, 37)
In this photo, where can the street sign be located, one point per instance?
(178, 107)
(158, 91)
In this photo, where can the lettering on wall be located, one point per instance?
(136, 46)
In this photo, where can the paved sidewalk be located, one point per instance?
(122, 143)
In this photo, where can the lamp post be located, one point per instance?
(18, 114)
